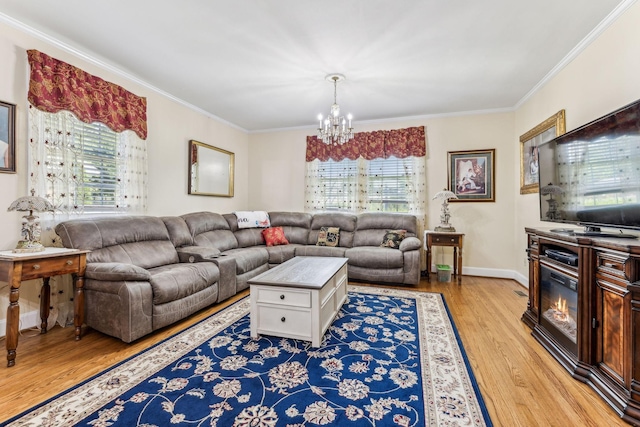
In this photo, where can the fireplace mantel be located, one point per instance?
(606, 275)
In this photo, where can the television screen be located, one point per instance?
(591, 175)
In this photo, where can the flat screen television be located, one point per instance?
(590, 176)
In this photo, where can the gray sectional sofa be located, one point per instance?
(144, 273)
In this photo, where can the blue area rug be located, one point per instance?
(391, 358)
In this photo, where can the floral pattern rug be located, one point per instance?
(390, 358)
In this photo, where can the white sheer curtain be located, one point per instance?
(60, 170)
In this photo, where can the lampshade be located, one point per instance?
(551, 189)
(31, 203)
(444, 195)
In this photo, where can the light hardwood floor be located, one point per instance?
(522, 385)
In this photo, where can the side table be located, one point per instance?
(445, 238)
(16, 267)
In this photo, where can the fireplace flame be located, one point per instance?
(561, 311)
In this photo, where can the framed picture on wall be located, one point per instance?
(472, 175)
(529, 142)
(7, 137)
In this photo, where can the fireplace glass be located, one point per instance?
(558, 308)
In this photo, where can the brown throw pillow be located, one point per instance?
(393, 238)
(328, 236)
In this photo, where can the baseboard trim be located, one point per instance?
(28, 320)
(493, 272)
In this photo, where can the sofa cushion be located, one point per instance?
(211, 230)
(248, 259)
(375, 257)
(116, 271)
(140, 240)
(393, 238)
(328, 236)
(344, 221)
(296, 225)
(178, 231)
(274, 236)
(175, 281)
(282, 253)
(312, 250)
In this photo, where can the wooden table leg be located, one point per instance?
(13, 315)
(428, 263)
(78, 305)
(45, 295)
(460, 264)
(455, 261)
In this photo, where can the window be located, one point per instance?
(380, 185)
(96, 166)
(389, 184)
(86, 168)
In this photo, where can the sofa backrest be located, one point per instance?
(178, 229)
(211, 230)
(246, 237)
(345, 221)
(140, 240)
(296, 225)
(372, 226)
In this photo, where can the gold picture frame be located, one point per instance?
(210, 170)
(547, 130)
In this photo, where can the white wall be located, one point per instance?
(276, 162)
(170, 126)
(603, 78)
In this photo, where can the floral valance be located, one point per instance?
(56, 85)
(380, 144)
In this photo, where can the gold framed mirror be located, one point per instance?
(545, 131)
(210, 170)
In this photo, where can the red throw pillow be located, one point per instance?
(274, 236)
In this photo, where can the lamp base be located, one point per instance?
(25, 246)
(447, 228)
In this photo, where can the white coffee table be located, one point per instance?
(299, 298)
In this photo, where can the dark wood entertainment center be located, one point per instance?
(605, 275)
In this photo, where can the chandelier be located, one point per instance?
(335, 129)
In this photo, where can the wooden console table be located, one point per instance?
(442, 238)
(16, 267)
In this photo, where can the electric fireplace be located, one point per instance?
(558, 307)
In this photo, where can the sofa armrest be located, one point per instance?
(227, 283)
(116, 271)
(197, 253)
(410, 244)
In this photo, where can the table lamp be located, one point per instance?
(445, 195)
(30, 241)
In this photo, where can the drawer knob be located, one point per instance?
(69, 262)
(282, 319)
(282, 296)
(452, 240)
(36, 267)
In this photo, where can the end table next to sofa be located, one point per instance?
(445, 238)
(16, 267)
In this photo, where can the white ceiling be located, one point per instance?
(261, 65)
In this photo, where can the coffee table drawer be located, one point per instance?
(283, 321)
(292, 297)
